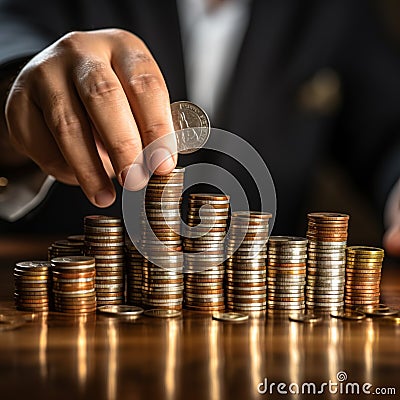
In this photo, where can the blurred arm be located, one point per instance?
(368, 139)
(391, 239)
(23, 33)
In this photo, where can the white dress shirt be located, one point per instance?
(212, 37)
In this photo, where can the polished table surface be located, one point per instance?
(57, 356)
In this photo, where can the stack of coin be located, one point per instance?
(162, 283)
(104, 240)
(246, 268)
(134, 266)
(363, 276)
(286, 276)
(162, 287)
(65, 248)
(77, 239)
(73, 284)
(204, 248)
(327, 238)
(32, 285)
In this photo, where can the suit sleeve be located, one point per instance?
(368, 136)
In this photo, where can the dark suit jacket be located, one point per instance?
(273, 99)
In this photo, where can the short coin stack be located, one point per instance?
(105, 240)
(246, 264)
(363, 276)
(327, 238)
(73, 284)
(204, 249)
(32, 285)
(162, 283)
(65, 248)
(134, 266)
(286, 276)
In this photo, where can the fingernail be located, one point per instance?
(134, 177)
(104, 198)
(161, 161)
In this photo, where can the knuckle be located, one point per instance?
(144, 83)
(72, 40)
(120, 34)
(154, 130)
(57, 100)
(102, 89)
(123, 36)
(37, 73)
(94, 83)
(140, 57)
(63, 123)
(66, 125)
(124, 147)
(87, 176)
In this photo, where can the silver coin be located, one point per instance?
(378, 312)
(285, 240)
(161, 313)
(350, 315)
(33, 264)
(230, 317)
(191, 125)
(305, 318)
(395, 320)
(120, 310)
(10, 322)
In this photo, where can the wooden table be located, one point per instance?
(63, 357)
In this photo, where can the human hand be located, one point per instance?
(391, 239)
(83, 107)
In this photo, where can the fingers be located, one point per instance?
(92, 98)
(148, 97)
(71, 130)
(391, 241)
(104, 99)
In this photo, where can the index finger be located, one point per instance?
(148, 97)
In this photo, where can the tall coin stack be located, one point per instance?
(162, 283)
(327, 238)
(134, 266)
(104, 240)
(204, 252)
(363, 276)
(73, 281)
(32, 282)
(246, 268)
(286, 276)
